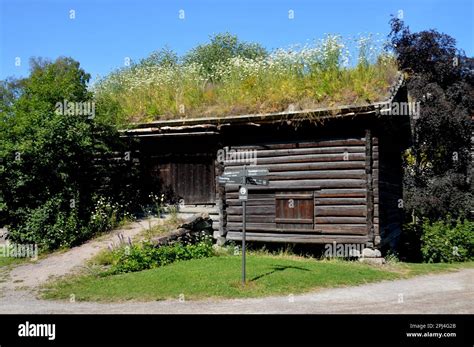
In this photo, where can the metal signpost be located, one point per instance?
(244, 177)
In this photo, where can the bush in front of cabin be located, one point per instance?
(48, 226)
(146, 255)
(447, 241)
(56, 164)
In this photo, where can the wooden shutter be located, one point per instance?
(294, 210)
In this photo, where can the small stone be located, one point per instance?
(368, 253)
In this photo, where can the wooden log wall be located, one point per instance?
(375, 189)
(334, 171)
(389, 183)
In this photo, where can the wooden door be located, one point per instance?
(294, 210)
(191, 179)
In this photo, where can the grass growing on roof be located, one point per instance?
(323, 74)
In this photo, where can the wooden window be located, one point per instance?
(294, 210)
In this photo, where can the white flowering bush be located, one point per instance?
(108, 214)
(313, 75)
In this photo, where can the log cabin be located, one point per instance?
(335, 174)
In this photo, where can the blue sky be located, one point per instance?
(104, 32)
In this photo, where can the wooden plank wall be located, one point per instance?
(191, 179)
(334, 169)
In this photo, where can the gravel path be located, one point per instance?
(35, 273)
(442, 293)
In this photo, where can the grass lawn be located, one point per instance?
(8, 261)
(219, 277)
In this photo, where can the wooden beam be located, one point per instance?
(370, 192)
(309, 150)
(306, 158)
(298, 238)
(337, 165)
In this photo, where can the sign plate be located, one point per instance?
(243, 193)
(230, 180)
(253, 176)
(248, 172)
(257, 172)
(257, 181)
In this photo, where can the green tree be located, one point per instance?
(49, 175)
(437, 166)
(164, 57)
(221, 48)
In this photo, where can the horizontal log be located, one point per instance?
(341, 210)
(341, 193)
(341, 220)
(297, 238)
(314, 150)
(252, 219)
(349, 229)
(358, 229)
(294, 220)
(250, 226)
(253, 196)
(331, 174)
(304, 184)
(251, 202)
(306, 144)
(340, 201)
(305, 158)
(342, 165)
(252, 210)
(294, 195)
(275, 228)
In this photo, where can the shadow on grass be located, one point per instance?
(278, 268)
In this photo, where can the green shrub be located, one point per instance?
(54, 165)
(447, 242)
(138, 257)
(108, 215)
(50, 226)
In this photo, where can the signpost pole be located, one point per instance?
(244, 212)
(244, 177)
(244, 203)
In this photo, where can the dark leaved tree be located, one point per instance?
(437, 166)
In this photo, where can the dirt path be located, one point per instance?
(442, 293)
(35, 273)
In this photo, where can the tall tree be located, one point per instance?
(48, 177)
(437, 174)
